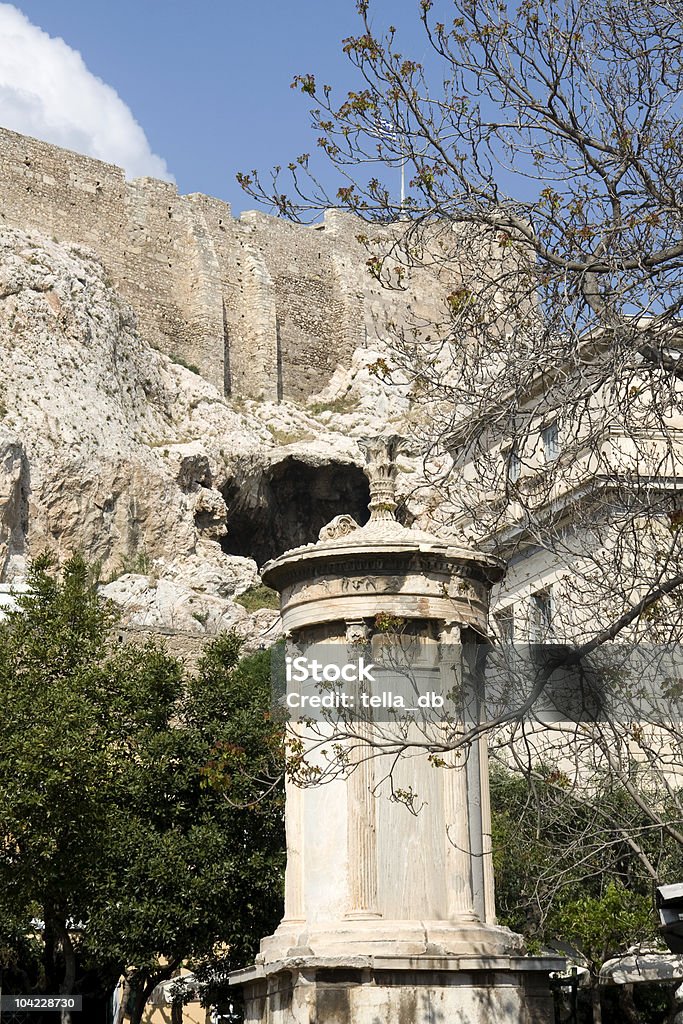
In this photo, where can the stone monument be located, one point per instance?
(389, 902)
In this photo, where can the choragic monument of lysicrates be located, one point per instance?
(389, 909)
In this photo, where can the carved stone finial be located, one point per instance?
(380, 456)
(340, 526)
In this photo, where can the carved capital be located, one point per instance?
(450, 633)
(357, 631)
(381, 452)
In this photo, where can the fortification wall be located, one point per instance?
(144, 233)
(248, 303)
(319, 317)
(263, 308)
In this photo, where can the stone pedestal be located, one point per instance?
(395, 990)
(390, 914)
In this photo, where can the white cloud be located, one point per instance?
(47, 91)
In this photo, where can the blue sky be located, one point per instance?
(207, 82)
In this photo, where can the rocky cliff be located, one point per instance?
(109, 447)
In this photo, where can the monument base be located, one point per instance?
(377, 937)
(399, 990)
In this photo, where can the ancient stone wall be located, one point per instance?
(187, 647)
(319, 317)
(261, 307)
(151, 240)
(248, 304)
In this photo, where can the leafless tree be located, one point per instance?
(542, 142)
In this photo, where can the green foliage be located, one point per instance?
(138, 563)
(108, 822)
(259, 596)
(599, 926)
(459, 299)
(175, 358)
(380, 369)
(386, 623)
(567, 870)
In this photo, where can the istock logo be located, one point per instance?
(300, 670)
(328, 681)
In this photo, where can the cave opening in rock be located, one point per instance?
(288, 504)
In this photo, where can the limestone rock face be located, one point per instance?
(13, 490)
(111, 448)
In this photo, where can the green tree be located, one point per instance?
(116, 854)
(604, 926)
(570, 874)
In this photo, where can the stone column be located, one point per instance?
(455, 793)
(362, 832)
(295, 908)
(486, 838)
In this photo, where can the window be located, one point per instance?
(514, 467)
(506, 625)
(540, 616)
(550, 436)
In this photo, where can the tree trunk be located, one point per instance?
(627, 1005)
(125, 994)
(143, 992)
(49, 949)
(69, 979)
(595, 1001)
(177, 1011)
(138, 1005)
